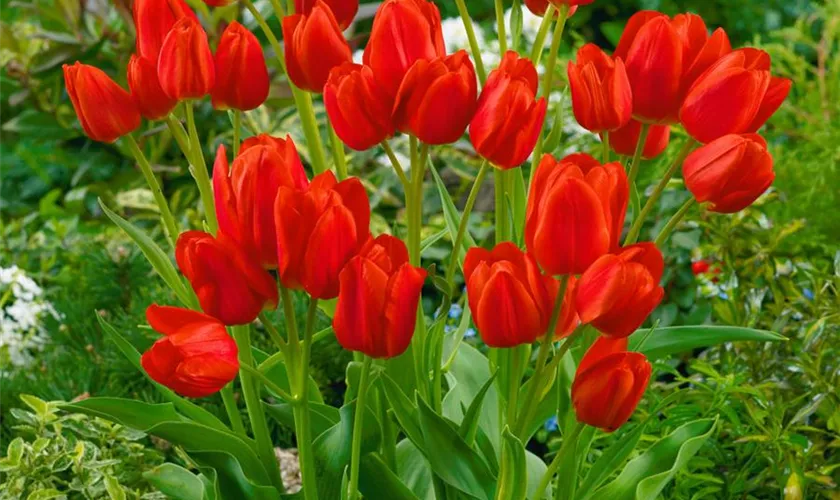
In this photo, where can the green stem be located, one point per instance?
(237, 125)
(389, 438)
(170, 228)
(310, 129)
(231, 409)
(272, 331)
(265, 449)
(289, 316)
(303, 423)
(397, 167)
(180, 135)
(279, 11)
(539, 41)
(199, 170)
(339, 157)
(268, 383)
(638, 222)
(476, 50)
(605, 145)
(322, 334)
(672, 224)
(500, 26)
(462, 226)
(356, 446)
(514, 380)
(569, 443)
(272, 40)
(634, 169)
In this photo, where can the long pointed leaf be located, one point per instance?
(452, 216)
(676, 339)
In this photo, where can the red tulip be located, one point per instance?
(185, 66)
(509, 118)
(245, 195)
(618, 292)
(318, 231)
(314, 46)
(609, 384)
(437, 98)
(601, 95)
(736, 95)
(730, 173)
(700, 51)
(510, 300)
(575, 212)
(143, 81)
(624, 140)
(241, 75)
(153, 19)
(230, 285)
(538, 7)
(378, 298)
(344, 10)
(403, 32)
(195, 358)
(105, 110)
(358, 107)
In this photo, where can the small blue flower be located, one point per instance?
(455, 311)
(808, 293)
(470, 333)
(723, 295)
(551, 425)
(448, 329)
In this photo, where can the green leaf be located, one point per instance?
(112, 486)
(513, 478)
(322, 416)
(414, 470)
(469, 425)
(612, 458)
(278, 374)
(519, 203)
(452, 217)
(45, 494)
(232, 480)
(536, 470)
(647, 475)
(176, 482)
(404, 409)
(676, 339)
(377, 481)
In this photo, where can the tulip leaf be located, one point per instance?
(178, 483)
(676, 339)
(612, 458)
(452, 217)
(548, 397)
(536, 470)
(231, 479)
(469, 425)
(277, 373)
(513, 478)
(518, 203)
(404, 409)
(647, 475)
(322, 416)
(414, 470)
(377, 481)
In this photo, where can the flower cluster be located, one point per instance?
(23, 311)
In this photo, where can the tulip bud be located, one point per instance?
(729, 173)
(185, 66)
(153, 19)
(230, 285)
(378, 298)
(143, 82)
(436, 100)
(601, 95)
(618, 292)
(510, 300)
(359, 108)
(609, 383)
(403, 32)
(509, 118)
(575, 212)
(195, 358)
(625, 140)
(245, 195)
(105, 110)
(344, 10)
(241, 75)
(700, 51)
(318, 231)
(314, 46)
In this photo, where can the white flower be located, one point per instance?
(358, 55)
(22, 313)
(455, 35)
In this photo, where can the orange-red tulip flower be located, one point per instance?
(241, 75)
(618, 292)
(736, 95)
(437, 98)
(153, 19)
(318, 231)
(195, 358)
(624, 140)
(344, 10)
(538, 7)
(245, 195)
(609, 383)
(403, 32)
(314, 46)
(145, 88)
(359, 108)
(601, 95)
(509, 118)
(105, 110)
(230, 285)
(378, 298)
(575, 212)
(185, 66)
(729, 173)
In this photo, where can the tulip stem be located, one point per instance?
(605, 145)
(539, 40)
(268, 383)
(462, 226)
(237, 125)
(199, 170)
(356, 447)
(501, 213)
(309, 123)
(397, 167)
(272, 331)
(301, 409)
(569, 446)
(639, 221)
(476, 50)
(231, 409)
(634, 168)
(500, 26)
(672, 224)
(279, 11)
(180, 134)
(170, 228)
(339, 157)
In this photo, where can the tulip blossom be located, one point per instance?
(618, 292)
(195, 358)
(437, 99)
(404, 31)
(359, 108)
(153, 19)
(314, 46)
(378, 299)
(230, 285)
(729, 173)
(185, 66)
(736, 95)
(575, 212)
(105, 110)
(245, 195)
(318, 231)
(510, 299)
(601, 96)
(609, 383)
(625, 140)
(343, 10)
(539, 7)
(143, 82)
(509, 118)
(241, 75)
